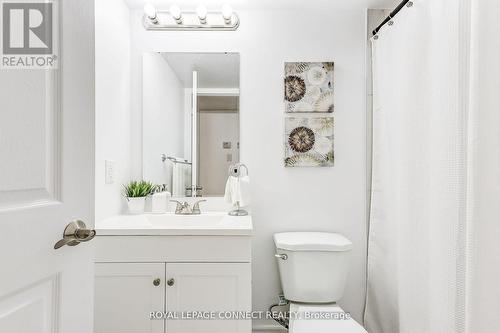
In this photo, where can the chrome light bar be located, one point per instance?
(199, 20)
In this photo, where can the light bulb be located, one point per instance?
(150, 12)
(175, 11)
(201, 11)
(227, 13)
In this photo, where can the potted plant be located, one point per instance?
(136, 193)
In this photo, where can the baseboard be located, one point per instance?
(267, 326)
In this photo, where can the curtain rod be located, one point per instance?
(392, 14)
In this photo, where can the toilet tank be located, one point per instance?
(313, 266)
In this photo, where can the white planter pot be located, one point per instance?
(136, 205)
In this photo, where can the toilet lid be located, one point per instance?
(300, 323)
(312, 241)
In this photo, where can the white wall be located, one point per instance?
(327, 199)
(163, 118)
(112, 118)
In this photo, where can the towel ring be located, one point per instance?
(235, 170)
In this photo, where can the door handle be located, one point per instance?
(75, 233)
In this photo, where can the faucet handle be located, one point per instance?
(197, 203)
(178, 207)
(196, 206)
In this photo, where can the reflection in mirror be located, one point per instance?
(169, 128)
(218, 141)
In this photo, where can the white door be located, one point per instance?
(208, 287)
(46, 175)
(125, 295)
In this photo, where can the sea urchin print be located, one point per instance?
(325, 101)
(316, 76)
(328, 66)
(301, 139)
(295, 68)
(295, 88)
(308, 141)
(304, 160)
(309, 87)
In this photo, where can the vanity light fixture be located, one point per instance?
(202, 11)
(176, 13)
(201, 19)
(150, 13)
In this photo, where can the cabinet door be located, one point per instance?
(208, 287)
(125, 295)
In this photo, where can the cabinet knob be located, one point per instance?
(171, 282)
(156, 282)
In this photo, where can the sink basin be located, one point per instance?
(210, 223)
(182, 221)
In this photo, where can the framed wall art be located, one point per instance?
(308, 141)
(308, 87)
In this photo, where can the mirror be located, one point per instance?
(190, 110)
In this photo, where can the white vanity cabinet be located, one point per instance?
(205, 287)
(138, 273)
(125, 293)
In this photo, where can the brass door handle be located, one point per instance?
(75, 233)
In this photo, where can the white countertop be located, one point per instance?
(208, 224)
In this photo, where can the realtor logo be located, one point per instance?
(27, 35)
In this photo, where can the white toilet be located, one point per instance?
(313, 269)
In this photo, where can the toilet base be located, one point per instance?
(321, 318)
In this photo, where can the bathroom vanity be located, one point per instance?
(177, 264)
(174, 264)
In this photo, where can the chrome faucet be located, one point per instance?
(186, 209)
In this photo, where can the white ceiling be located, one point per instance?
(215, 70)
(267, 4)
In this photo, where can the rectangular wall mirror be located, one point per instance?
(190, 120)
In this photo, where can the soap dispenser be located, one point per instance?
(160, 200)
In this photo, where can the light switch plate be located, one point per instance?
(109, 173)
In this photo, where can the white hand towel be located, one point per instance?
(230, 192)
(238, 191)
(244, 191)
(181, 177)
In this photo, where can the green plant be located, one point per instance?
(137, 189)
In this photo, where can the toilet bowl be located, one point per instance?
(313, 270)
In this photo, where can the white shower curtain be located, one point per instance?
(416, 243)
